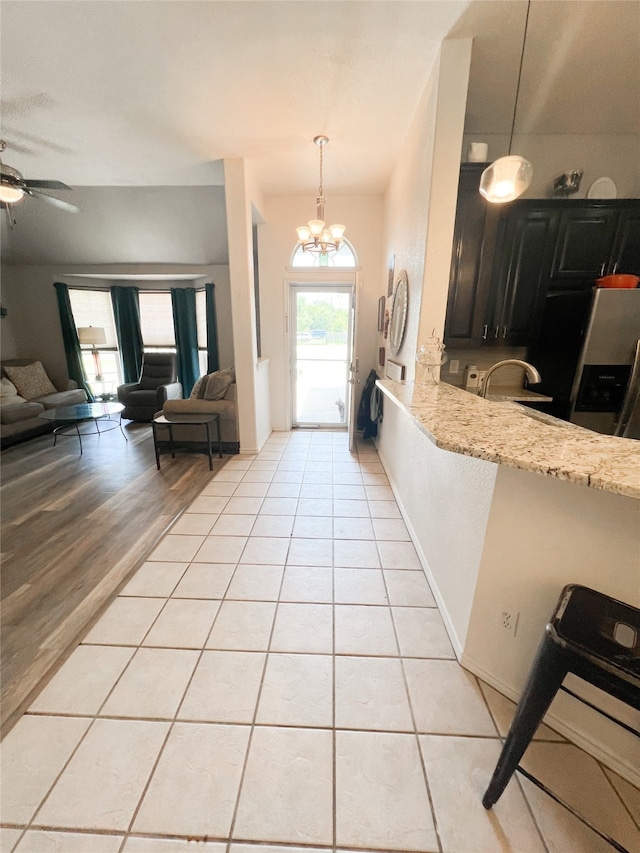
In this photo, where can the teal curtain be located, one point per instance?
(70, 339)
(183, 301)
(213, 357)
(126, 313)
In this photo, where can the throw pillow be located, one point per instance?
(197, 392)
(30, 380)
(7, 388)
(217, 384)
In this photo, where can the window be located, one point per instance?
(344, 257)
(201, 325)
(156, 321)
(101, 362)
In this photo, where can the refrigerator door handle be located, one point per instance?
(631, 397)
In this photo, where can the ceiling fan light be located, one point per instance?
(316, 226)
(506, 179)
(10, 194)
(304, 233)
(337, 231)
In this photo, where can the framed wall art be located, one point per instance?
(392, 268)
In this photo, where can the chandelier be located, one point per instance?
(316, 237)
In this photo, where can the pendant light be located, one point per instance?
(316, 237)
(508, 177)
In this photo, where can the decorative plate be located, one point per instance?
(602, 188)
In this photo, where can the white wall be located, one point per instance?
(406, 209)
(277, 239)
(242, 198)
(543, 533)
(445, 499)
(421, 199)
(611, 155)
(453, 81)
(32, 325)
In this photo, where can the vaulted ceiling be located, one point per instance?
(128, 95)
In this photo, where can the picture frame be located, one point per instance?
(381, 356)
(395, 370)
(382, 302)
(392, 269)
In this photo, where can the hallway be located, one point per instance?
(278, 673)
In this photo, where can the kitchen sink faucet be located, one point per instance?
(532, 374)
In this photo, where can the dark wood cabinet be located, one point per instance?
(583, 245)
(625, 256)
(506, 258)
(470, 260)
(522, 260)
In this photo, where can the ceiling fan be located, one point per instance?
(13, 187)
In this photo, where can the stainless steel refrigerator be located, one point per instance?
(587, 353)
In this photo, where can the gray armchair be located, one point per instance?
(157, 384)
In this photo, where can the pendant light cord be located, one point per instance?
(515, 106)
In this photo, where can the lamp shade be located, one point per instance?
(91, 335)
(506, 179)
(10, 194)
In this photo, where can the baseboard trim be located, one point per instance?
(574, 735)
(446, 618)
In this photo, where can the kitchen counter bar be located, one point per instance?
(510, 394)
(455, 420)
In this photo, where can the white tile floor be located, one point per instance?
(277, 673)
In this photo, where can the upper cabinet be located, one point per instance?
(506, 258)
(625, 256)
(583, 245)
(471, 260)
(522, 260)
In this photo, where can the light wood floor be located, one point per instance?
(73, 529)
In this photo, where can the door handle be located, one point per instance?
(484, 332)
(496, 334)
(504, 331)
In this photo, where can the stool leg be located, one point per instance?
(547, 673)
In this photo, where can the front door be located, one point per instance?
(321, 326)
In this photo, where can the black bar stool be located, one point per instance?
(598, 639)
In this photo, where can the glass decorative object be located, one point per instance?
(430, 357)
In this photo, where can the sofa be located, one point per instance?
(213, 393)
(25, 392)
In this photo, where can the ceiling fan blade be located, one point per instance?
(46, 185)
(57, 202)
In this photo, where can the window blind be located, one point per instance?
(93, 308)
(201, 318)
(156, 319)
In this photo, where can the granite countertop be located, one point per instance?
(513, 435)
(509, 393)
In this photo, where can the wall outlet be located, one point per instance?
(454, 365)
(509, 621)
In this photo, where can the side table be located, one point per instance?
(178, 420)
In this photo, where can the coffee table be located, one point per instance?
(204, 420)
(73, 416)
